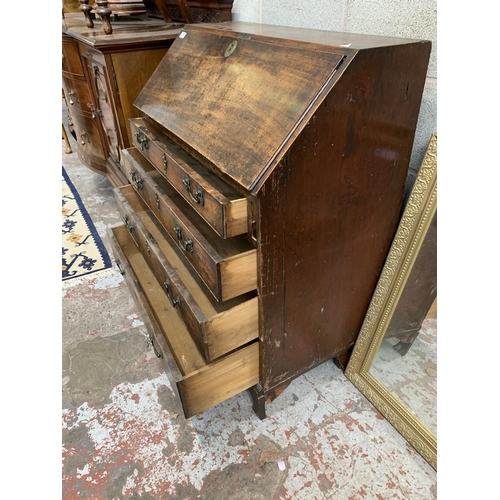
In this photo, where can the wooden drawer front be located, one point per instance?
(200, 385)
(227, 266)
(71, 62)
(221, 207)
(87, 135)
(216, 328)
(78, 95)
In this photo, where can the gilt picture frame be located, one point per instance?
(415, 221)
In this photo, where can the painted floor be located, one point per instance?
(124, 435)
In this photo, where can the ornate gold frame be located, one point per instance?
(417, 216)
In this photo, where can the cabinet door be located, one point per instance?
(104, 97)
(89, 141)
(78, 94)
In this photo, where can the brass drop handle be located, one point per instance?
(71, 94)
(136, 180)
(152, 341)
(188, 245)
(142, 140)
(129, 227)
(197, 197)
(83, 135)
(157, 199)
(92, 110)
(118, 264)
(175, 301)
(165, 161)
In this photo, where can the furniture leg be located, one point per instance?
(342, 360)
(259, 400)
(405, 342)
(66, 140)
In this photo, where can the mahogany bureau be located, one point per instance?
(266, 180)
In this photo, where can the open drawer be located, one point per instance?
(216, 327)
(200, 385)
(227, 266)
(220, 205)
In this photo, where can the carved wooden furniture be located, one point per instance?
(265, 187)
(185, 11)
(101, 76)
(190, 11)
(105, 9)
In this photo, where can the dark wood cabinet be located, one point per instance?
(266, 176)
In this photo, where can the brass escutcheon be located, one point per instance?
(231, 48)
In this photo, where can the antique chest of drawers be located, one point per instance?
(101, 77)
(265, 184)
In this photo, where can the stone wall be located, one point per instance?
(400, 18)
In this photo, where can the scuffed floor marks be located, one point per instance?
(143, 425)
(140, 446)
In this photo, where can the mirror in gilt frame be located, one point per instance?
(394, 361)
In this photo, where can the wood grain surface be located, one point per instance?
(247, 102)
(329, 213)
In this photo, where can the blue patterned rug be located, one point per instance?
(84, 255)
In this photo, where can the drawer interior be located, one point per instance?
(202, 384)
(209, 178)
(224, 209)
(225, 248)
(176, 258)
(227, 266)
(221, 326)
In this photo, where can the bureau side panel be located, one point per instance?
(329, 213)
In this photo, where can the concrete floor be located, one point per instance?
(124, 435)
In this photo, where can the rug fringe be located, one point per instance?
(88, 277)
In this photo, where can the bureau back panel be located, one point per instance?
(234, 99)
